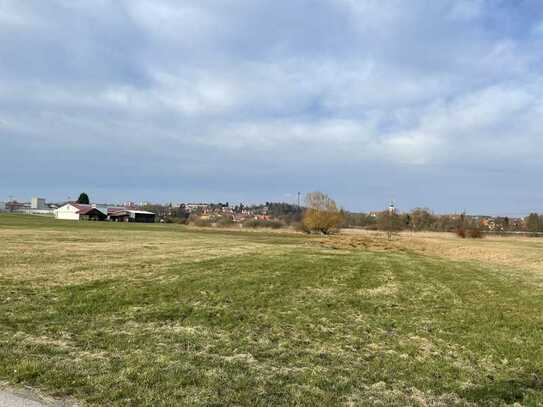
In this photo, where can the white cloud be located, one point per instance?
(485, 121)
(171, 21)
(409, 83)
(413, 147)
(284, 135)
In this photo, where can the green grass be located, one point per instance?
(165, 315)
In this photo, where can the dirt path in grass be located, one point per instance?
(10, 397)
(27, 398)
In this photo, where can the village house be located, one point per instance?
(194, 207)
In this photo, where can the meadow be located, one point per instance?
(132, 314)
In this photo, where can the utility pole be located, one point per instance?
(299, 194)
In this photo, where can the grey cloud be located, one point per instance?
(245, 97)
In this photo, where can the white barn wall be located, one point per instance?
(67, 212)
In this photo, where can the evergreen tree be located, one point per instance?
(83, 199)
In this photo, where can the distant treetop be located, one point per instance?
(83, 198)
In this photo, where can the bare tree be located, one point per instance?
(322, 214)
(389, 221)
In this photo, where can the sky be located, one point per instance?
(429, 103)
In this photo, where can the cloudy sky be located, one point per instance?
(435, 103)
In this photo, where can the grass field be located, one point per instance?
(125, 314)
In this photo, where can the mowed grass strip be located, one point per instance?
(260, 319)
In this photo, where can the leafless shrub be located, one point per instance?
(461, 233)
(472, 233)
(475, 233)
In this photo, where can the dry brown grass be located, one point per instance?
(60, 257)
(518, 252)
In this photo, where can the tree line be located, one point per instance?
(320, 213)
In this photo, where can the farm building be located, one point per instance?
(74, 211)
(132, 216)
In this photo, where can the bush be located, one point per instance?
(461, 233)
(225, 222)
(300, 227)
(254, 223)
(275, 224)
(169, 219)
(472, 233)
(475, 233)
(322, 221)
(251, 223)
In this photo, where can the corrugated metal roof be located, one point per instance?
(114, 209)
(130, 211)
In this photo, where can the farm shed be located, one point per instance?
(132, 216)
(92, 214)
